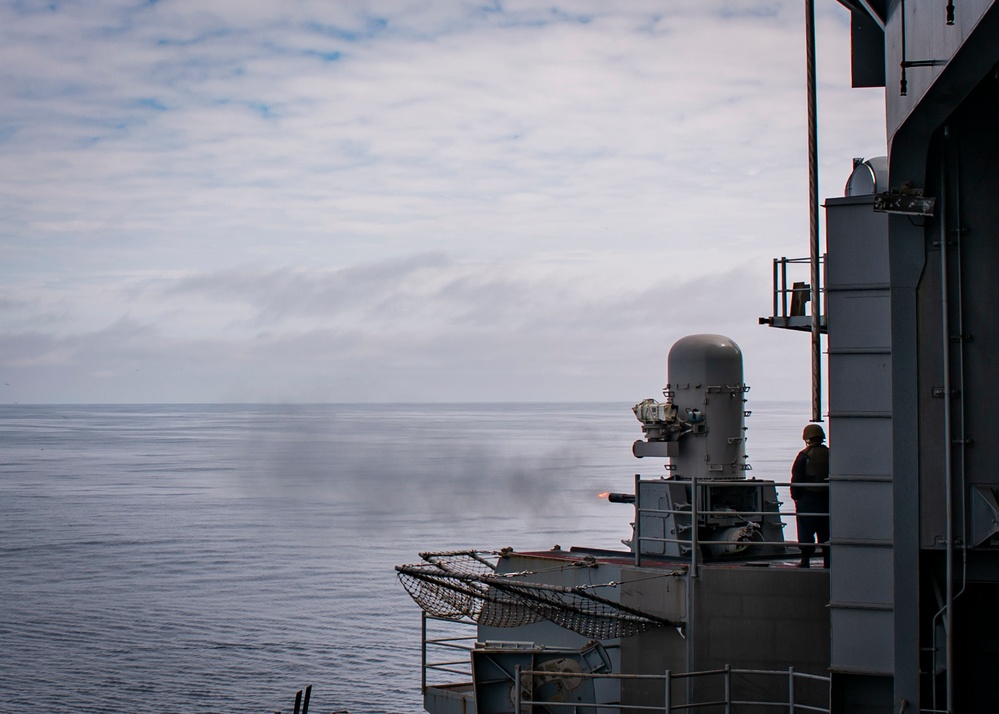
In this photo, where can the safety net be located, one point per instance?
(465, 584)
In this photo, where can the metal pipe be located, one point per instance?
(960, 469)
(694, 516)
(813, 210)
(691, 586)
(638, 522)
(962, 472)
(728, 689)
(948, 436)
(963, 436)
(776, 290)
(423, 652)
(790, 690)
(783, 288)
(903, 83)
(517, 708)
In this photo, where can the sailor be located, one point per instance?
(811, 465)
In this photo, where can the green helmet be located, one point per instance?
(813, 431)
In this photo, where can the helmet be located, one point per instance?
(813, 431)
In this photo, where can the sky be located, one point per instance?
(444, 201)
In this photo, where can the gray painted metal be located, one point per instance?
(741, 511)
(920, 346)
(495, 673)
(860, 583)
(706, 384)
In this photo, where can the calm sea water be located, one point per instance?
(219, 558)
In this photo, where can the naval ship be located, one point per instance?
(703, 610)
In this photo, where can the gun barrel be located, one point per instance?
(621, 497)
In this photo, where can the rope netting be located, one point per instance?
(465, 584)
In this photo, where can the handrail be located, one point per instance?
(783, 293)
(447, 643)
(693, 512)
(790, 296)
(729, 693)
(748, 482)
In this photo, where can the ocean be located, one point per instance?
(218, 558)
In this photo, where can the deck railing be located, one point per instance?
(731, 691)
(694, 512)
(450, 643)
(791, 295)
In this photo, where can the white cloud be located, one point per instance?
(418, 200)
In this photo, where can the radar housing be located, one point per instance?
(701, 427)
(706, 385)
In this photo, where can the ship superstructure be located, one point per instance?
(708, 583)
(912, 281)
(705, 605)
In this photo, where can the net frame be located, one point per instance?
(457, 585)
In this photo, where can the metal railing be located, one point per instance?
(790, 295)
(694, 512)
(733, 689)
(729, 700)
(733, 698)
(449, 643)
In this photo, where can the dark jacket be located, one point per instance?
(811, 465)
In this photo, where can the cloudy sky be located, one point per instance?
(273, 200)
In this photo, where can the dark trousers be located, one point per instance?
(812, 529)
